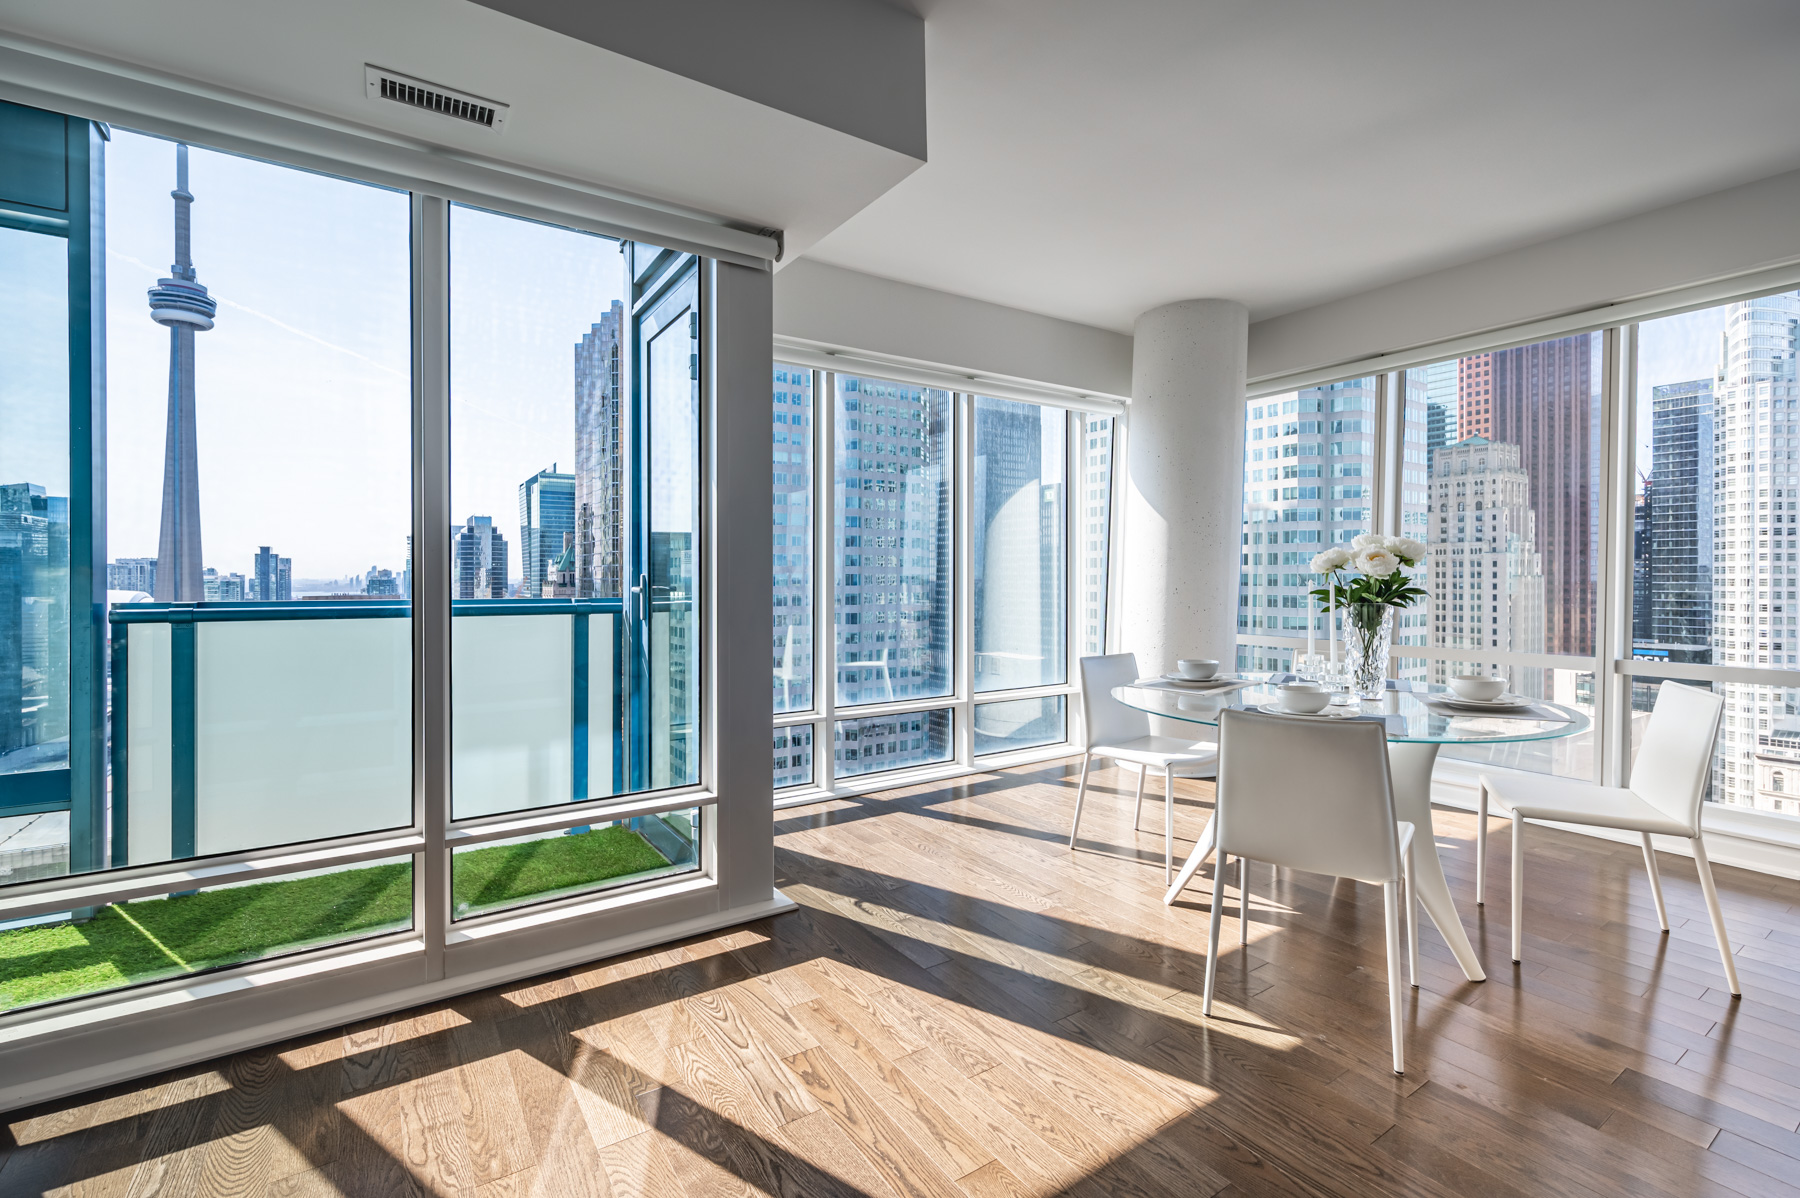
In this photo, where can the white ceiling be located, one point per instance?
(580, 112)
(1091, 161)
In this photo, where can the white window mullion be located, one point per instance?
(1612, 623)
(1074, 594)
(825, 614)
(962, 520)
(431, 571)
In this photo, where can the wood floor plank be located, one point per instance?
(963, 1006)
(894, 1154)
(929, 1126)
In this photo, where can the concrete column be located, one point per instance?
(1184, 485)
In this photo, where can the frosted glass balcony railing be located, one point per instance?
(248, 725)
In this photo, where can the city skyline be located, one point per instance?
(300, 392)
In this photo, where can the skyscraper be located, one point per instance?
(1642, 550)
(1442, 402)
(1018, 547)
(791, 515)
(274, 576)
(894, 543)
(1317, 454)
(1680, 493)
(1486, 577)
(1754, 480)
(34, 636)
(546, 513)
(182, 304)
(132, 574)
(1095, 519)
(1540, 398)
(478, 559)
(599, 458)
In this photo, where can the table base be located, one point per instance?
(1411, 764)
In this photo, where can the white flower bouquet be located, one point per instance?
(1367, 582)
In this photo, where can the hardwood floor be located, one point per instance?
(965, 1007)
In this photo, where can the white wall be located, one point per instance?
(1727, 233)
(857, 66)
(843, 309)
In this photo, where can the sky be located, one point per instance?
(34, 346)
(303, 390)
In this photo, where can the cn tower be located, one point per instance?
(181, 303)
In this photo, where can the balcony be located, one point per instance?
(245, 726)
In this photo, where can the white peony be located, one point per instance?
(1335, 558)
(1407, 550)
(1376, 563)
(1368, 540)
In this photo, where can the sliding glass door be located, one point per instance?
(574, 394)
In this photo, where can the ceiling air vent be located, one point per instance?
(382, 84)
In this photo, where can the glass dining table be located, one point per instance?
(1415, 732)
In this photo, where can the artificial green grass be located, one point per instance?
(481, 879)
(157, 938)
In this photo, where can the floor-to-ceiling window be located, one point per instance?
(947, 564)
(1509, 514)
(572, 644)
(1310, 461)
(1716, 503)
(257, 476)
(353, 588)
(1589, 567)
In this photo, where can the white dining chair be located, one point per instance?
(1317, 795)
(1111, 729)
(1668, 785)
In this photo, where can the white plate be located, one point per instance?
(1339, 713)
(1199, 683)
(1503, 703)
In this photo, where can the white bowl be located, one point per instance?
(1197, 669)
(1303, 697)
(1481, 687)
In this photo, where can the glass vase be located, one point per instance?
(1368, 637)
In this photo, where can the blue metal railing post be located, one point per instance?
(578, 699)
(183, 788)
(121, 746)
(578, 716)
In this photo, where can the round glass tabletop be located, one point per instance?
(1407, 713)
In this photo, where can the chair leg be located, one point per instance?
(1718, 917)
(1391, 910)
(1662, 912)
(1080, 794)
(1412, 919)
(1243, 900)
(1212, 934)
(1481, 818)
(1137, 813)
(1518, 885)
(1168, 825)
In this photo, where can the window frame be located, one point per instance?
(961, 702)
(59, 1047)
(1612, 665)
